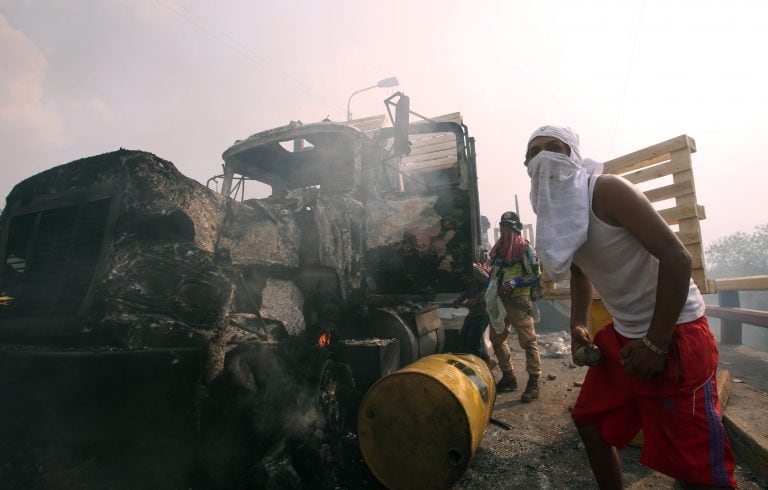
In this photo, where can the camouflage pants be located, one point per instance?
(518, 316)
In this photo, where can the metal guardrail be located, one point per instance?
(730, 313)
(732, 316)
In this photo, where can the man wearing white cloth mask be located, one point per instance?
(658, 357)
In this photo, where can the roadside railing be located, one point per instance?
(730, 313)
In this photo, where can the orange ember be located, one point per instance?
(324, 339)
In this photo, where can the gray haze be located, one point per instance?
(184, 79)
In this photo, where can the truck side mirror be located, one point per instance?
(402, 144)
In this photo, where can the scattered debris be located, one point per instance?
(555, 345)
(500, 423)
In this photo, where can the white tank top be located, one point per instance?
(624, 273)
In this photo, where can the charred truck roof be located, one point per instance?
(325, 154)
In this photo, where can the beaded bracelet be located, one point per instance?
(653, 348)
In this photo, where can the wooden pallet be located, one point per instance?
(433, 151)
(664, 173)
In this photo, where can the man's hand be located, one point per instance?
(457, 302)
(579, 337)
(506, 288)
(639, 361)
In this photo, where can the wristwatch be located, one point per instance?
(653, 347)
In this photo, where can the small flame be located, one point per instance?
(324, 339)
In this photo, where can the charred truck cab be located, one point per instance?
(138, 305)
(380, 229)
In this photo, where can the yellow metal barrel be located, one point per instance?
(420, 426)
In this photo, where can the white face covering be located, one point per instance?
(553, 173)
(560, 199)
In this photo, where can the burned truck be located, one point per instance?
(156, 332)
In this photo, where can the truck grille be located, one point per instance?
(51, 258)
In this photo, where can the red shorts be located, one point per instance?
(678, 410)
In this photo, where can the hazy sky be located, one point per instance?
(184, 79)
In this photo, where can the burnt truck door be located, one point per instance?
(422, 214)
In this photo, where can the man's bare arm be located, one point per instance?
(581, 300)
(581, 296)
